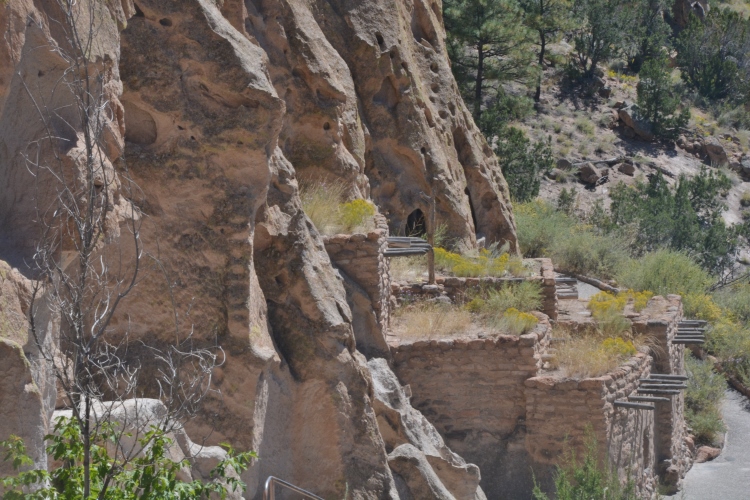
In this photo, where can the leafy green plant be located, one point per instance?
(703, 399)
(525, 296)
(735, 299)
(149, 476)
(575, 247)
(647, 33)
(664, 272)
(587, 479)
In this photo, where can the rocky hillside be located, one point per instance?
(216, 109)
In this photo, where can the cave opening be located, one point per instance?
(416, 225)
(471, 208)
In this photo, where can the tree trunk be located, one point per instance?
(87, 448)
(542, 47)
(479, 82)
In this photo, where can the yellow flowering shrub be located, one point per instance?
(476, 305)
(356, 213)
(701, 306)
(619, 347)
(485, 264)
(604, 303)
(516, 322)
(640, 299)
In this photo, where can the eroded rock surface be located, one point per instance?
(417, 452)
(215, 108)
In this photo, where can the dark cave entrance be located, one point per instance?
(471, 208)
(416, 225)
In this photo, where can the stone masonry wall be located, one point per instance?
(472, 390)
(559, 412)
(672, 453)
(457, 288)
(366, 273)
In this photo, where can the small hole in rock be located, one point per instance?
(424, 151)
(192, 137)
(326, 126)
(405, 66)
(393, 54)
(165, 22)
(435, 87)
(40, 74)
(434, 67)
(180, 127)
(379, 38)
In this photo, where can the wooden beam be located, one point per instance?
(649, 399)
(633, 406)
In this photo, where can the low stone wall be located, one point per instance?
(457, 288)
(472, 390)
(560, 412)
(360, 260)
(492, 402)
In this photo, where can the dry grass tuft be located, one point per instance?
(589, 354)
(409, 269)
(592, 353)
(432, 320)
(324, 204)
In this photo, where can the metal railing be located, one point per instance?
(270, 491)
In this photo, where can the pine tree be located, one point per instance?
(547, 18)
(488, 44)
(658, 101)
(601, 35)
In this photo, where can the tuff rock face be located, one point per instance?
(216, 108)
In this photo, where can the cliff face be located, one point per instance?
(215, 108)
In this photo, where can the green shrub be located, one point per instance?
(575, 247)
(730, 342)
(703, 399)
(539, 227)
(736, 299)
(566, 202)
(588, 253)
(587, 479)
(523, 163)
(664, 272)
(489, 262)
(618, 346)
(151, 475)
(525, 296)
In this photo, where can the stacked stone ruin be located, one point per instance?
(492, 402)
